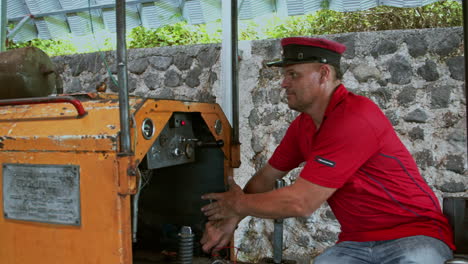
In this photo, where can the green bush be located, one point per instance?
(52, 47)
(439, 14)
(322, 22)
(176, 34)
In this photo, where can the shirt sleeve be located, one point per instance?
(341, 147)
(287, 155)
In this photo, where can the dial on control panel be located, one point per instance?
(175, 143)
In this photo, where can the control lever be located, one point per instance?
(198, 143)
(215, 144)
(278, 232)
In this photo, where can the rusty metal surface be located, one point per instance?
(27, 72)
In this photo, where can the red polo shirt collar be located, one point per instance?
(339, 94)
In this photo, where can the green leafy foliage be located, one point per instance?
(176, 34)
(52, 47)
(325, 21)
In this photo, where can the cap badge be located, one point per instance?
(300, 56)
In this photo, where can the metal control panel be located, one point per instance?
(175, 144)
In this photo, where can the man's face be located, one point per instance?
(302, 84)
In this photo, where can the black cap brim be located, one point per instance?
(278, 63)
(283, 63)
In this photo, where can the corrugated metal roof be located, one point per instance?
(58, 18)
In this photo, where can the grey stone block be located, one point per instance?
(257, 146)
(258, 97)
(138, 66)
(446, 44)
(182, 61)
(392, 117)
(424, 158)
(416, 116)
(417, 45)
(363, 72)
(267, 118)
(192, 79)
(440, 96)
(453, 187)
(279, 133)
(400, 70)
(85, 62)
(450, 119)
(406, 96)
(381, 96)
(458, 135)
(164, 93)
(212, 78)
(132, 83)
(254, 119)
(205, 97)
(416, 133)
(456, 67)
(151, 81)
(384, 47)
(429, 71)
(455, 163)
(172, 78)
(160, 63)
(268, 49)
(209, 56)
(274, 96)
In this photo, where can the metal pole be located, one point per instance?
(125, 147)
(235, 74)
(18, 27)
(226, 60)
(465, 41)
(278, 232)
(3, 24)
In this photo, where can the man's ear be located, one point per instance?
(325, 73)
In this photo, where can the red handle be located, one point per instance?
(47, 100)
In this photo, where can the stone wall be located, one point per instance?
(415, 76)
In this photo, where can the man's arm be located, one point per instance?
(300, 199)
(264, 180)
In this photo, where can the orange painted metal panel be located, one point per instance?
(50, 134)
(54, 127)
(104, 234)
(161, 110)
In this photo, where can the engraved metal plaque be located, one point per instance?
(42, 193)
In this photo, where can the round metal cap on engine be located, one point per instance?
(27, 72)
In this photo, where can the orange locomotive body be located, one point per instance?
(69, 196)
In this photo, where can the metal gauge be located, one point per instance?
(189, 150)
(218, 126)
(147, 128)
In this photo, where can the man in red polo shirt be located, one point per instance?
(353, 160)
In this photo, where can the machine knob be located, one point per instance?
(177, 152)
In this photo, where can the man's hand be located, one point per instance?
(218, 234)
(227, 204)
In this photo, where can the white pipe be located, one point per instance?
(226, 58)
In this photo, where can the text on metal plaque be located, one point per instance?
(42, 193)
